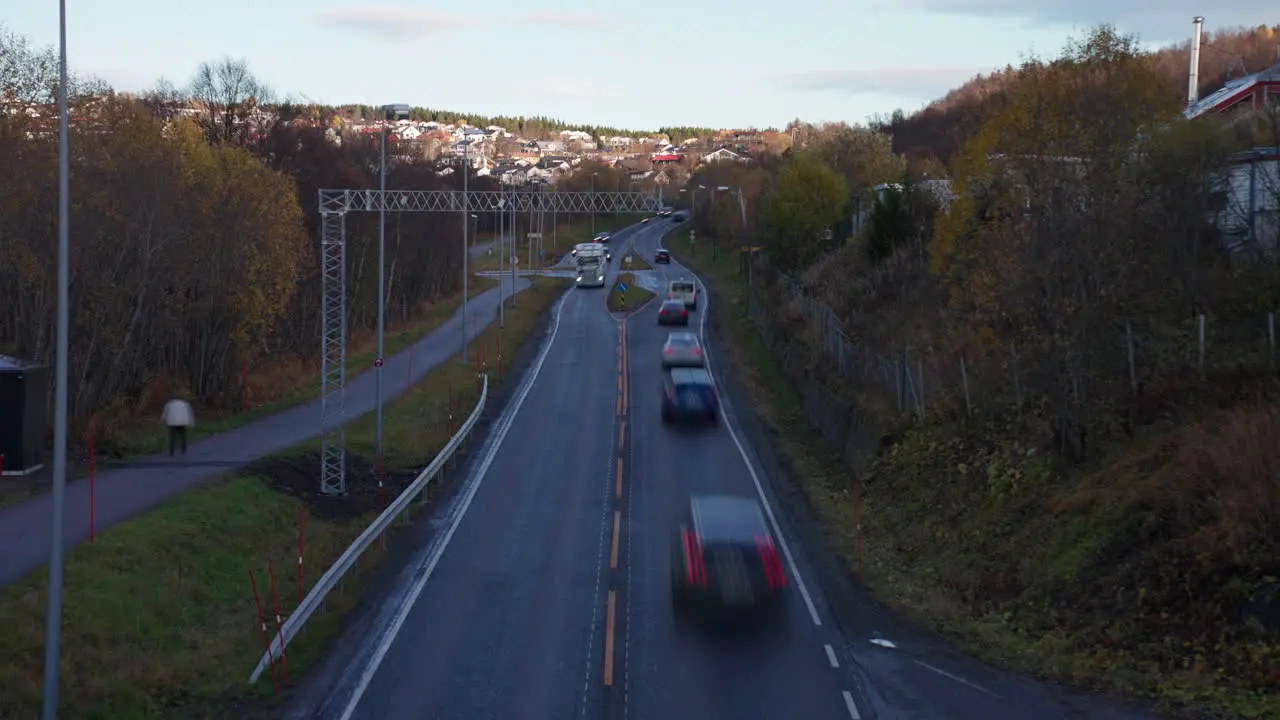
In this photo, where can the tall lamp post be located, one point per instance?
(53, 618)
(593, 204)
(466, 222)
(389, 112)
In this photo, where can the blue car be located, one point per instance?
(689, 394)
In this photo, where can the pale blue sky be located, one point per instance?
(638, 65)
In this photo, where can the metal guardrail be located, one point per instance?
(375, 531)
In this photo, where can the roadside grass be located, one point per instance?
(271, 391)
(969, 534)
(635, 261)
(634, 297)
(159, 615)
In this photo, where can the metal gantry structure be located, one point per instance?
(334, 206)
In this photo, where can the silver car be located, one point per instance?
(682, 349)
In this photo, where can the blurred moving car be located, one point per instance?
(644, 220)
(689, 394)
(673, 312)
(603, 238)
(682, 349)
(662, 256)
(725, 561)
(684, 291)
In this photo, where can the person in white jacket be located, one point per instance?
(179, 416)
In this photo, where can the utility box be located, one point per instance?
(23, 388)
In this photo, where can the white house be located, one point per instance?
(1248, 202)
(722, 155)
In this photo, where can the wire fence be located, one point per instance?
(1140, 354)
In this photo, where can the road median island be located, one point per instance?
(637, 261)
(916, 489)
(627, 295)
(165, 602)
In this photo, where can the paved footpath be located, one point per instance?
(142, 484)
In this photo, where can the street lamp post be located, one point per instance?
(466, 210)
(53, 618)
(593, 205)
(389, 112)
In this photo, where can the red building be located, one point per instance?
(1251, 93)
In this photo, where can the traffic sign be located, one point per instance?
(622, 287)
(534, 236)
(515, 259)
(377, 362)
(627, 259)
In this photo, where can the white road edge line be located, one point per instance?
(850, 705)
(402, 614)
(746, 459)
(957, 678)
(831, 656)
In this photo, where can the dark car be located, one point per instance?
(662, 256)
(678, 217)
(673, 312)
(725, 562)
(689, 393)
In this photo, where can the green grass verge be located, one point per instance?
(942, 526)
(635, 261)
(634, 297)
(159, 613)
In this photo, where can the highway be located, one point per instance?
(541, 589)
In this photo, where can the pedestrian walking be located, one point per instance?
(179, 416)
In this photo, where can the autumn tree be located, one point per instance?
(864, 157)
(805, 200)
(227, 92)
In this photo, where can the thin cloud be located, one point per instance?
(1168, 20)
(572, 19)
(905, 82)
(393, 22)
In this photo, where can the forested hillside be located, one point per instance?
(194, 243)
(938, 130)
(1042, 418)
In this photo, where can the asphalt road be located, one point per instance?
(541, 590)
(128, 489)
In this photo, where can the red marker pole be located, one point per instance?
(857, 518)
(382, 498)
(302, 539)
(266, 632)
(410, 381)
(93, 493)
(275, 599)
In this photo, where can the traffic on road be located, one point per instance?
(618, 550)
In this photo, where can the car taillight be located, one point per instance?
(693, 564)
(772, 564)
(697, 352)
(668, 351)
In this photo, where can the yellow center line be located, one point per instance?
(619, 404)
(622, 435)
(608, 641)
(613, 554)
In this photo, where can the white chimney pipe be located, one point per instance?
(1193, 82)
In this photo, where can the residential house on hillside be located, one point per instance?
(550, 147)
(723, 155)
(1248, 203)
(1252, 93)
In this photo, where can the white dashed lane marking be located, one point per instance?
(851, 705)
(831, 656)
